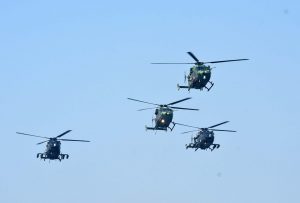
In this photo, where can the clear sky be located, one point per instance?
(72, 64)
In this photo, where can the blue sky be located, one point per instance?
(72, 64)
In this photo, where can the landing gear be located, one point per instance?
(213, 146)
(42, 156)
(63, 156)
(184, 87)
(171, 128)
(161, 128)
(156, 128)
(196, 86)
(191, 145)
(211, 85)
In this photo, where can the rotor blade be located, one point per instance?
(42, 142)
(226, 61)
(172, 63)
(142, 101)
(193, 56)
(176, 102)
(218, 124)
(174, 107)
(232, 131)
(191, 131)
(74, 140)
(63, 133)
(32, 135)
(147, 108)
(187, 125)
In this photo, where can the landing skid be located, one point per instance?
(211, 85)
(189, 146)
(213, 146)
(44, 156)
(151, 128)
(189, 87)
(183, 87)
(161, 128)
(63, 156)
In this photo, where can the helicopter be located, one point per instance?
(200, 74)
(163, 114)
(53, 146)
(204, 139)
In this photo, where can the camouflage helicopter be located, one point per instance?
(163, 114)
(204, 139)
(200, 74)
(53, 146)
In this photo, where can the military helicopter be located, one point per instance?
(53, 146)
(204, 139)
(163, 114)
(199, 75)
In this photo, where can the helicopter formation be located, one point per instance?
(198, 78)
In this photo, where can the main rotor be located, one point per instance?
(169, 105)
(210, 128)
(57, 138)
(199, 63)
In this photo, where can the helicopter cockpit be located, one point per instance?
(166, 111)
(54, 144)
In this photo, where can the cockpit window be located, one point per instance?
(166, 111)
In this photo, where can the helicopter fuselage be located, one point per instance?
(199, 76)
(203, 140)
(163, 118)
(52, 151)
